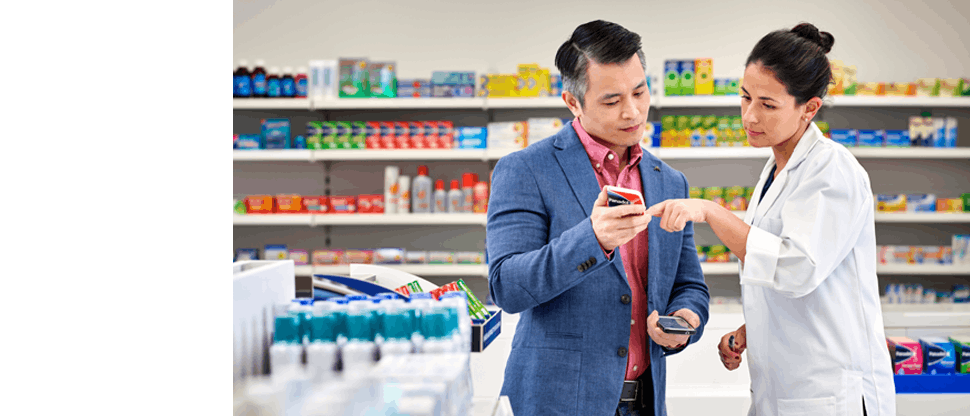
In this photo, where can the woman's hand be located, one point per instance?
(731, 357)
(674, 213)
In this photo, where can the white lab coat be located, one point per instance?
(815, 337)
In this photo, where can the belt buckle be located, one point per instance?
(636, 391)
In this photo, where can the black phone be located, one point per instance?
(675, 325)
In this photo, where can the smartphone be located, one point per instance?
(617, 196)
(675, 325)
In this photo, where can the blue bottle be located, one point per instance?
(287, 83)
(273, 83)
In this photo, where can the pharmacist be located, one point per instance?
(807, 244)
(587, 280)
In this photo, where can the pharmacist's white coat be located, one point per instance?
(815, 337)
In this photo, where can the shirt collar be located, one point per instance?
(598, 152)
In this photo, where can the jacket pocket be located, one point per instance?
(821, 406)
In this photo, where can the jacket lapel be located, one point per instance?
(653, 192)
(575, 165)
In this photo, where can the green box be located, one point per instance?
(671, 78)
(696, 192)
(724, 133)
(683, 123)
(965, 87)
(962, 347)
(733, 87)
(382, 79)
(686, 72)
(668, 123)
(314, 135)
(328, 136)
(358, 135)
(748, 192)
(353, 78)
(696, 131)
(737, 126)
(344, 130)
(239, 207)
(966, 202)
(714, 193)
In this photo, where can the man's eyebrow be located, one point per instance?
(614, 95)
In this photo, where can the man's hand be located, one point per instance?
(674, 213)
(731, 357)
(615, 226)
(671, 341)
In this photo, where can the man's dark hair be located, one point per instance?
(600, 41)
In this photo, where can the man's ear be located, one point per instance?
(572, 103)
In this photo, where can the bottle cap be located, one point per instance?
(422, 170)
(439, 185)
(454, 184)
(468, 181)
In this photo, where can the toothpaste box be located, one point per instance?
(921, 130)
(938, 133)
(950, 134)
(343, 204)
(891, 203)
(846, 137)
(685, 70)
(416, 132)
(709, 131)
(897, 138)
(344, 132)
(469, 257)
(359, 256)
(370, 204)
(413, 88)
(299, 257)
(372, 131)
(275, 252)
(452, 84)
(909, 356)
(259, 204)
(382, 79)
(389, 256)
(683, 130)
(900, 89)
(872, 138)
(555, 85)
(328, 135)
(441, 257)
(697, 133)
(387, 135)
(939, 356)
(402, 135)
(353, 78)
(416, 257)
(276, 133)
(499, 85)
(245, 141)
(508, 135)
(446, 135)
(962, 348)
(358, 135)
(671, 78)
(949, 205)
(542, 127)
(920, 203)
(430, 134)
(328, 257)
(316, 204)
(471, 137)
(289, 203)
(667, 131)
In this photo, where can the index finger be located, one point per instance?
(657, 209)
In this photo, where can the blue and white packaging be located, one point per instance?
(872, 138)
(651, 136)
(846, 137)
(939, 132)
(939, 356)
(389, 256)
(275, 252)
(543, 127)
(299, 142)
(413, 88)
(555, 85)
(245, 141)
(961, 250)
(276, 133)
(920, 203)
(950, 139)
(471, 137)
(245, 254)
(452, 84)
(897, 138)
(961, 294)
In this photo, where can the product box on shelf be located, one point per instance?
(718, 254)
(354, 79)
(452, 84)
(714, 193)
(471, 138)
(416, 257)
(355, 256)
(446, 135)
(238, 207)
(508, 135)
(696, 192)
(275, 252)
(740, 137)
(469, 257)
(685, 71)
(950, 134)
(413, 88)
(950, 87)
(683, 129)
(534, 80)
(697, 133)
(872, 138)
(429, 131)
(370, 204)
(667, 131)
(276, 133)
(671, 78)
(499, 85)
(949, 205)
(316, 204)
(939, 356)
(734, 199)
(909, 356)
(416, 138)
(382, 79)
(299, 257)
(920, 203)
(708, 131)
(871, 88)
(372, 135)
(480, 196)
(897, 138)
(652, 134)
(441, 257)
(389, 256)
(846, 137)
(246, 254)
(961, 345)
(542, 127)
(343, 204)
(900, 89)
(259, 204)
(344, 132)
(961, 250)
(245, 141)
(555, 85)
(704, 76)
(927, 87)
(891, 202)
(328, 257)
(387, 139)
(358, 135)
(289, 203)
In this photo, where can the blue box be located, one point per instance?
(654, 130)
(452, 84)
(897, 138)
(846, 137)
(276, 133)
(245, 254)
(245, 141)
(471, 137)
(484, 332)
(555, 85)
(413, 88)
(920, 203)
(939, 356)
(939, 133)
(872, 138)
(951, 132)
(299, 142)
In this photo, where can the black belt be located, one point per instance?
(631, 391)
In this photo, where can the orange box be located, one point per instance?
(949, 205)
(289, 203)
(900, 89)
(328, 257)
(259, 204)
(359, 256)
(370, 204)
(316, 204)
(871, 88)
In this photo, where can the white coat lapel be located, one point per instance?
(805, 144)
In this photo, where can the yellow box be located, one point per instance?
(850, 83)
(871, 88)
(927, 87)
(837, 87)
(544, 82)
(529, 80)
(704, 76)
(949, 205)
(950, 87)
(500, 85)
(891, 203)
(900, 89)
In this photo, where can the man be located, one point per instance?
(587, 284)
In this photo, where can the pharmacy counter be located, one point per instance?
(491, 406)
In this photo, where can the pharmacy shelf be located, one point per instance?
(699, 101)
(381, 155)
(541, 102)
(669, 153)
(911, 153)
(270, 103)
(272, 219)
(397, 103)
(923, 218)
(719, 268)
(890, 101)
(906, 269)
(272, 155)
(399, 219)
(420, 270)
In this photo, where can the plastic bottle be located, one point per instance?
(321, 353)
(391, 192)
(243, 85)
(340, 307)
(259, 79)
(421, 304)
(286, 353)
(468, 192)
(358, 356)
(459, 301)
(440, 197)
(287, 83)
(302, 308)
(301, 82)
(273, 83)
(455, 198)
(404, 194)
(437, 331)
(397, 325)
(421, 189)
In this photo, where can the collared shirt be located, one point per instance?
(606, 164)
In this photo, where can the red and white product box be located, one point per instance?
(316, 204)
(402, 135)
(373, 131)
(289, 204)
(343, 204)
(446, 134)
(387, 135)
(370, 204)
(416, 130)
(430, 133)
(259, 204)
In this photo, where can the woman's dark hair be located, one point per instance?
(797, 58)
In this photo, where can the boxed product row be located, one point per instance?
(921, 203)
(274, 83)
(734, 198)
(923, 132)
(702, 131)
(955, 254)
(476, 309)
(844, 82)
(715, 254)
(404, 195)
(330, 257)
(915, 293)
(303, 204)
(696, 77)
(529, 80)
(929, 355)
(331, 135)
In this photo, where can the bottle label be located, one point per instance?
(259, 84)
(289, 88)
(301, 88)
(243, 86)
(273, 88)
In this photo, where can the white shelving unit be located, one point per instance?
(700, 101)
(420, 270)
(883, 269)
(272, 155)
(397, 103)
(708, 101)
(923, 218)
(381, 155)
(272, 219)
(542, 102)
(713, 153)
(910, 153)
(270, 103)
(358, 219)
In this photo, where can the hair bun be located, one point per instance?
(808, 31)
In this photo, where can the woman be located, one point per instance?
(816, 344)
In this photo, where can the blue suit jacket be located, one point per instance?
(565, 354)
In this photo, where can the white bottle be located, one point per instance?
(422, 304)
(398, 329)
(286, 353)
(440, 197)
(404, 194)
(358, 356)
(437, 332)
(421, 192)
(391, 190)
(459, 301)
(467, 192)
(321, 353)
(455, 198)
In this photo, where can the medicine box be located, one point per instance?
(939, 356)
(353, 78)
(276, 133)
(909, 356)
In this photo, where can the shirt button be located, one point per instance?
(633, 322)
(625, 299)
(609, 156)
(621, 352)
(597, 166)
(634, 368)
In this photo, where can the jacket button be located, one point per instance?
(621, 352)
(581, 267)
(591, 261)
(625, 299)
